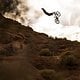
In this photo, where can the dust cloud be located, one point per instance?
(29, 13)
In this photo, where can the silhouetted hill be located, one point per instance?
(28, 55)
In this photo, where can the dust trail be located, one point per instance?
(23, 12)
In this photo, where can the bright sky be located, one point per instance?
(70, 19)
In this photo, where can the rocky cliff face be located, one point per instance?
(28, 55)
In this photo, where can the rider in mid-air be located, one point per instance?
(57, 15)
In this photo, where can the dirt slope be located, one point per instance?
(28, 55)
